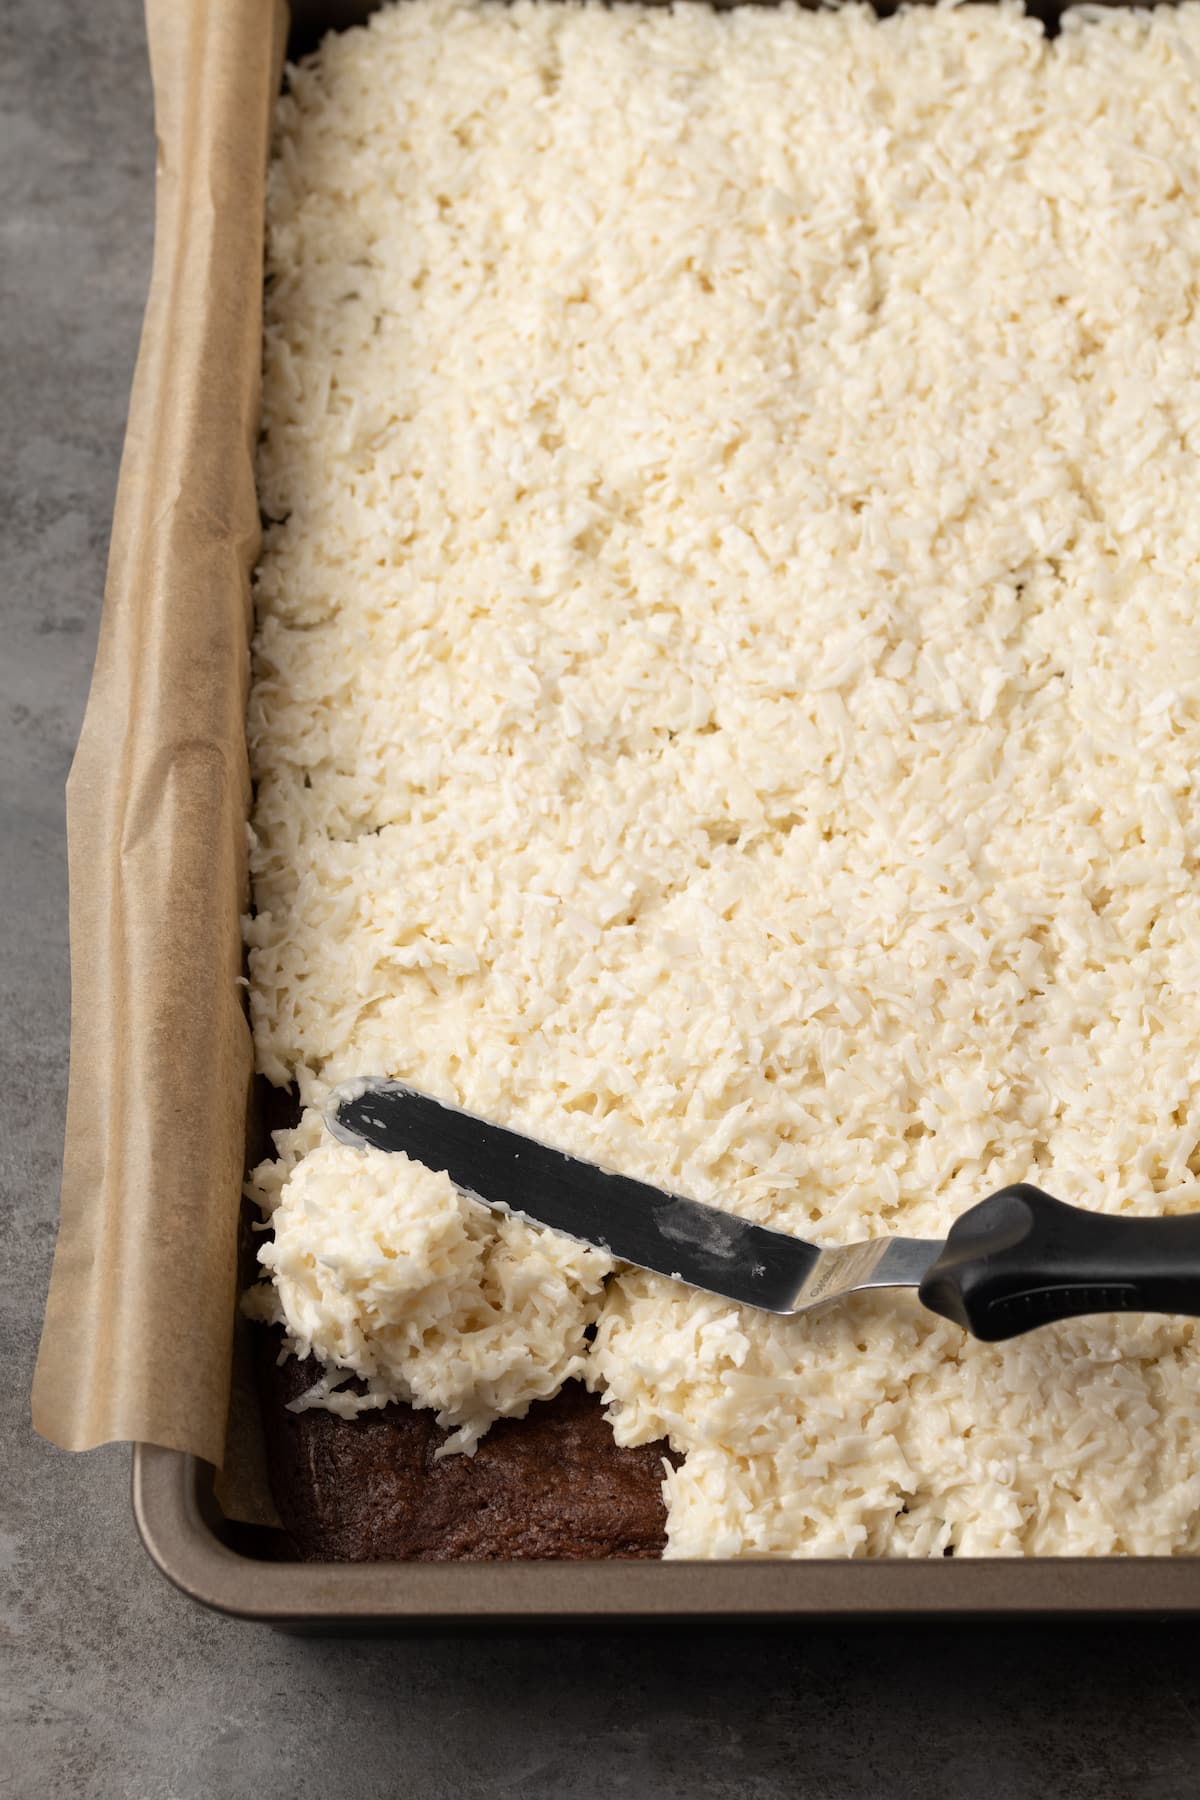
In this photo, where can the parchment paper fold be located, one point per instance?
(139, 1319)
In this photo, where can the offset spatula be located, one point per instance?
(1014, 1261)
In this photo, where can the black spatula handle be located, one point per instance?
(1022, 1259)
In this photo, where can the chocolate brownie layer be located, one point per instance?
(550, 1485)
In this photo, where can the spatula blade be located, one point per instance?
(635, 1223)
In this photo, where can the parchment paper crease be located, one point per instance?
(139, 1320)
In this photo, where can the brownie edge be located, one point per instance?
(553, 1485)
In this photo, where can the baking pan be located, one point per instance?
(241, 1570)
(215, 1562)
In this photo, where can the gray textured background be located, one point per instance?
(113, 1685)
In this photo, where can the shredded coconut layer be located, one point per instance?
(726, 702)
(383, 1270)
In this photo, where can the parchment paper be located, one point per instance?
(138, 1335)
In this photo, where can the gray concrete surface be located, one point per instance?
(113, 1685)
